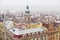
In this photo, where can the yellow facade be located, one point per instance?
(1, 24)
(59, 31)
(36, 25)
(1, 31)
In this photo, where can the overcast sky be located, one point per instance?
(36, 5)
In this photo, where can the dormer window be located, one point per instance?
(13, 30)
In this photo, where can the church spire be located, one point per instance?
(27, 8)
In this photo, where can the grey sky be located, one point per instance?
(36, 5)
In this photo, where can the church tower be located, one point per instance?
(27, 15)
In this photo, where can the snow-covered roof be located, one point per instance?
(57, 21)
(20, 31)
(7, 24)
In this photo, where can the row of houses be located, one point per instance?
(41, 33)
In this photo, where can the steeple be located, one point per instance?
(27, 9)
(27, 14)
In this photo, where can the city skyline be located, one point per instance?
(34, 5)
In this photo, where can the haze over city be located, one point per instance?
(35, 5)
